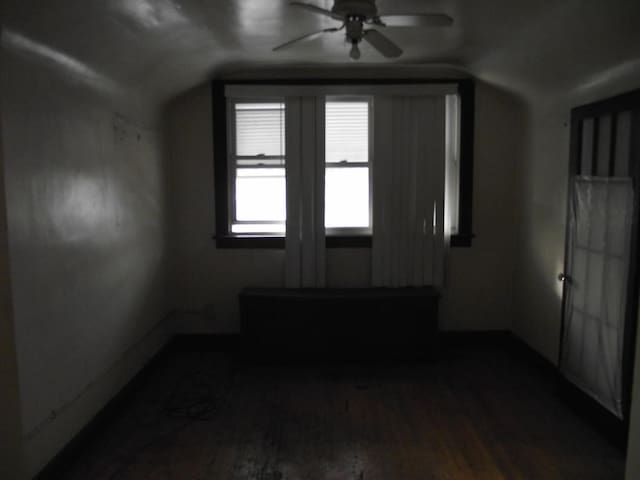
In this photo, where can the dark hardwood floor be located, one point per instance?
(473, 414)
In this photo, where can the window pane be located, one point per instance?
(346, 201)
(259, 129)
(260, 194)
(347, 132)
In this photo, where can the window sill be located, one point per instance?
(248, 241)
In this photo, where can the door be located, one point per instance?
(601, 275)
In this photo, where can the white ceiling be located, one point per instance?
(163, 47)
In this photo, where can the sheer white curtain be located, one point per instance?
(305, 235)
(408, 191)
(598, 265)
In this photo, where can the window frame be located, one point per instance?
(355, 231)
(224, 238)
(232, 166)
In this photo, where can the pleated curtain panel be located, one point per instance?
(408, 190)
(305, 235)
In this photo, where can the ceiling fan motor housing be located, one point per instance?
(360, 8)
(354, 27)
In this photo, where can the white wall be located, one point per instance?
(543, 184)
(86, 220)
(207, 279)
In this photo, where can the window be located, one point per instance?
(347, 181)
(258, 189)
(257, 165)
(249, 142)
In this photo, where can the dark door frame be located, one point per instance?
(627, 102)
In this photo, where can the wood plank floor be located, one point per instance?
(470, 415)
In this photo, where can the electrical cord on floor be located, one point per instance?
(193, 398)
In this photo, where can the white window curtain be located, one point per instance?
(305, 235)
(408, 191)
(598, 265)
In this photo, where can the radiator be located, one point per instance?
(328, 319)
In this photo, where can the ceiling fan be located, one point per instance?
(356, 14)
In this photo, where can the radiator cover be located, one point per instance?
(328, 318)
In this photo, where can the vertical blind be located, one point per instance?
(347, 131)
(408, 196)
(260, 129)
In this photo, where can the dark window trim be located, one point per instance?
(224, 239)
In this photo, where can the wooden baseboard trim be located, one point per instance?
(209, 342)
(606, 423)
(58, 464)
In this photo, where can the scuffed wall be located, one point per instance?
(86, 219)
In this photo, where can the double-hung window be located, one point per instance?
(347, 199)
(257, 162)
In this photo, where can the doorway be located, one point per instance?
(600, 294)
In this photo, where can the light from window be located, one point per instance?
(347, 196)
(452, 166)
(259, 189)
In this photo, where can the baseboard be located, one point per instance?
(527, 353)
(208, 342)
(614, 429)
(606, 423)
(149, 356)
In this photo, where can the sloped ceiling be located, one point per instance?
(160, 48)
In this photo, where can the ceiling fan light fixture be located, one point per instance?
(354, 53)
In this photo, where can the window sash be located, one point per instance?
(353, 98)
(237, 163)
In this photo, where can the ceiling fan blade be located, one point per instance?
(418, 20)
(381, 43)
(314, 9)
(305, 38)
